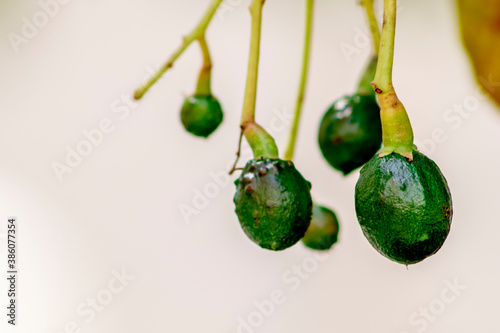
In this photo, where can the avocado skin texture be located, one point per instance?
(404, 208)
(201, 115)
(273, 203)
(350, 132)
(323, 231)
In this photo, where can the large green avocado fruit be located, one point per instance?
(350, 132)
(404, 207)
(201, 115)
(323, 231)
(273, 203)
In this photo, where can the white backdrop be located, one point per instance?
(118, 212)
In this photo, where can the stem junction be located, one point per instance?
(397, 131)
(198, 33)
(262, 144)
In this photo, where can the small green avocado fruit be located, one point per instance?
(273, 203)
(350, 132)
(201, 115)
(323, 231)
(404, 207)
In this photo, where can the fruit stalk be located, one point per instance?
(372, 20)
(303, 79)
(262, 144)
(396, 127)
(383, 76)
(197, 33)
(365, 84)
(248, 115)
(204, 80)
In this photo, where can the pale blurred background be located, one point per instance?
(120, 208)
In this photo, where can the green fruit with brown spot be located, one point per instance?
(273, 203)
(404, 207)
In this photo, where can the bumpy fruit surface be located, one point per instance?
(273, 203)
(404, 207)
(201, 115)
(323, 231)
(350, 132)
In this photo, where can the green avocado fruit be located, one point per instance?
(323, 231)
(273, 203)
(404, 207)
(350, 132)
(201, 115)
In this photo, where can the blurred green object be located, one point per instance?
(323, 231)
(350, 132)
(201, 115)
(480, 27)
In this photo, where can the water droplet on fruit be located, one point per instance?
(248, 178)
